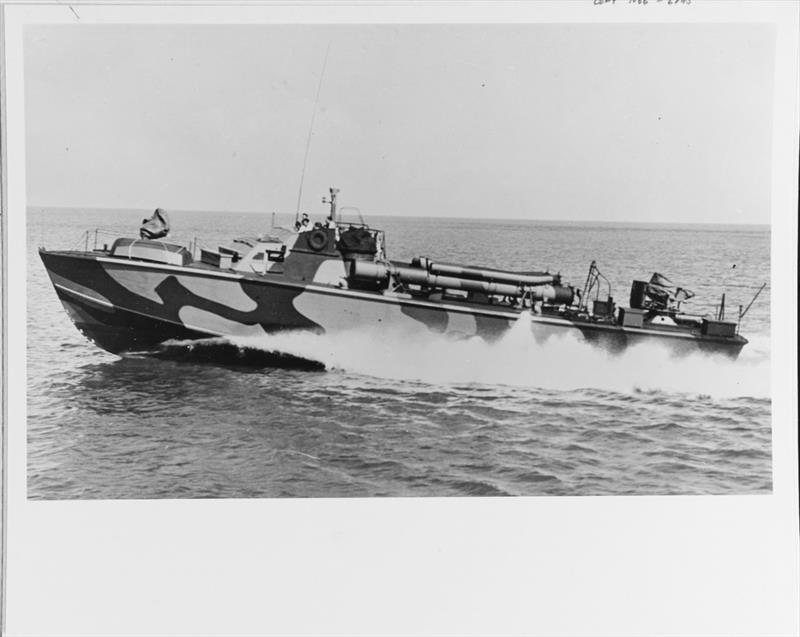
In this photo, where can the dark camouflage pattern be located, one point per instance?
(126, 305)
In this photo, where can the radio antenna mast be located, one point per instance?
(310, 131)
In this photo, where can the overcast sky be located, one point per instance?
(625, 122)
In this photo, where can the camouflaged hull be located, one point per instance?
(125, 305)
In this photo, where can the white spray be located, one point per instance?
(563, 362)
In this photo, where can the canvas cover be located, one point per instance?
(156, 227)
(357, 240)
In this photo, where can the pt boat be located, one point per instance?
(137, 294)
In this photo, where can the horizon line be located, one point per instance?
(399, 216)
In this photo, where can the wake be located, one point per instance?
(563, 362)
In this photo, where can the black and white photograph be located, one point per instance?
(554, 279)
(298, 259)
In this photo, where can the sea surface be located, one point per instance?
(377, 414)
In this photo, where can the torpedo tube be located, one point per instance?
(541, 290)
(485, 274)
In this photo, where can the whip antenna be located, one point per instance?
(310, 131)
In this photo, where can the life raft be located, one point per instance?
(318, 240)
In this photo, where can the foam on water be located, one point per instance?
(563, 362)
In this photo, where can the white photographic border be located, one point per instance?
(467, 566)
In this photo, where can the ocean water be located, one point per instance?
(382, 414)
